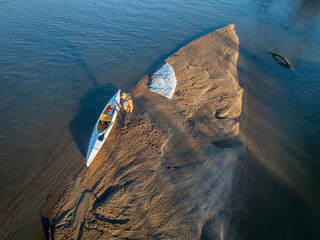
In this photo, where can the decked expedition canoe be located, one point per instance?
(103, 127)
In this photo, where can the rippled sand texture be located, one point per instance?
(168, 176)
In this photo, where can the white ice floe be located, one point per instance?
(164, 81)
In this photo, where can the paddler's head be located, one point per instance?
(128, 96)
(123, 95)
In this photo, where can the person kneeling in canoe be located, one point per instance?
(127, 106)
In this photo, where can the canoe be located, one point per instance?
(103, 127)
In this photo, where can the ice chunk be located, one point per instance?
(164, 81)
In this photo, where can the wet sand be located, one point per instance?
(169, 175)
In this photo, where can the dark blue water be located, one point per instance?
(61, 60)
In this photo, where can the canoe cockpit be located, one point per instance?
(106, 117)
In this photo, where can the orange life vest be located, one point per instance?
(126, 104)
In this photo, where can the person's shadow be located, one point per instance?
(90, 106)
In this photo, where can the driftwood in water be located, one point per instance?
(282, 60)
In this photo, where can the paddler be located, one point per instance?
(127, 106)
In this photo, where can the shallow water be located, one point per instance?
(60, 61)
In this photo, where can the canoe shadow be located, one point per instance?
(90, 107)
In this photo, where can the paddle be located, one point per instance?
(101, 135)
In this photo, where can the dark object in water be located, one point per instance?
(282, 60)
(46, 226)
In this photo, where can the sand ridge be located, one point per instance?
(169, 174)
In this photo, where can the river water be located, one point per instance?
(61, 60)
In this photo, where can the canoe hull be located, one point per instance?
(97, 139)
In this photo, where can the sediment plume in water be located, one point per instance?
(169, 175)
